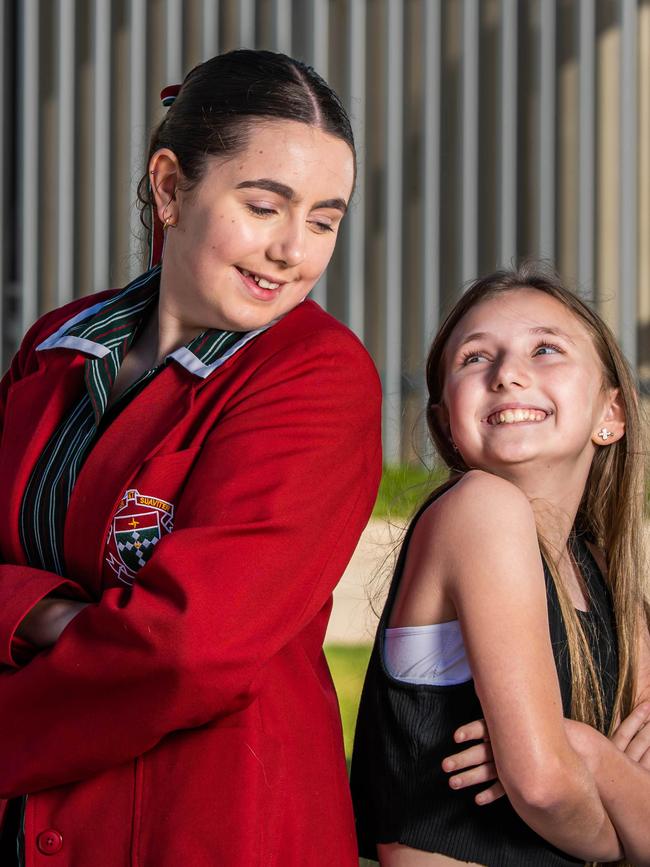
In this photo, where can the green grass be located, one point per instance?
(403, 488)
(348, 664)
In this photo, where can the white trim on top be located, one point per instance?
(191, 362)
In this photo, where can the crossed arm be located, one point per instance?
(497, 589)
(620, 765)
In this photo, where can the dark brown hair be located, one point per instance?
(221, 99)
(610, 512)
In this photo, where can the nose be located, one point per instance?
(289, 244)
(509, 370)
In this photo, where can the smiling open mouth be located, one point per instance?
(515, 416)
(261, 281)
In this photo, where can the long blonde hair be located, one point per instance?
(611, 510)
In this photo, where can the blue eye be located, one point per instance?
(547, 349)
(471, 357)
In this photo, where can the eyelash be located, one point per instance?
(260, 212)
(475, 353)
(323, 227)
(545, 344)
(268, 212)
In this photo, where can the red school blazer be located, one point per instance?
(190, 719)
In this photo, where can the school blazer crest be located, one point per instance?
(187, 715)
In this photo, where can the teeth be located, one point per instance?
(512, 416)
(265, 284)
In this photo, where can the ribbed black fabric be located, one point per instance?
(404, 731)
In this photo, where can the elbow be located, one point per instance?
(544, 787)
(215, 682)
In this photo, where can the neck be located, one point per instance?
(555, 494)
(166, 331)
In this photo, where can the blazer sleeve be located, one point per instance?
(267, 522)
(22, 587)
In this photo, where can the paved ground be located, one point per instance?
(366, 579)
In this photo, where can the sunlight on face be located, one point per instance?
(258, 230)
(523, 382)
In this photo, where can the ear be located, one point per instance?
(612, 424)
(164, 173)
(438, 413)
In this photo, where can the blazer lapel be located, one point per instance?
(44, 396)
(131, 439)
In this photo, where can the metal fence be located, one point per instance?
(486, 129)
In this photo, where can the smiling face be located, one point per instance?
(524, 385)
(254, 235)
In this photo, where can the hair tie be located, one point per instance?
(168, 94)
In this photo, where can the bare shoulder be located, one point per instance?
(480, 528)
(479, 506)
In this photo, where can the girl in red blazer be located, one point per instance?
(186, 465)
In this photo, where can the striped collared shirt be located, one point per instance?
(105, 332)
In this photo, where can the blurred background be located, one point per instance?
(487, 130)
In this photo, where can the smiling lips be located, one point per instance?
(261, 281)
(517, 415)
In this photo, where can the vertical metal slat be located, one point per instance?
(319, 33)
(246, 23)
(319, 43)
(282, 26)
(508, 134)
(394, 75)
(137, 123)
(4, 126)
(430, 243)
(66, 154)
(546, 136)
(586, 142)
(102, 146)
(469, 141)
(174, 41)
(210, 23)
(29, 151)
(355, 283)
(628, 175)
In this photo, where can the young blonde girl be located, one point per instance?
(518, 597)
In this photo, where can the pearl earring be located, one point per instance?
(604, 434)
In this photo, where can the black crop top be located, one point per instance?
(404, 731)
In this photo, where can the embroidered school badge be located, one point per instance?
(138, 526)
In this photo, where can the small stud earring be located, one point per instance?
(604, 434)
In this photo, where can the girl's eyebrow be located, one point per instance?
(289, 194)
(556, 332)
(539, 329)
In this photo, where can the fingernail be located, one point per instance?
(480, 799)
(449, 764)
(459, 736)
(456, 782)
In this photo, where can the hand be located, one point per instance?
(47, 620)
(476, 762)
(632, 736)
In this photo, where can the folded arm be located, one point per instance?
(498, 590)
(266, 524)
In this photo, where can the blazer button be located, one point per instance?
(49, 842)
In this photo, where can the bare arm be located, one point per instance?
(498, 590)
(620, 766)
(624, 788)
